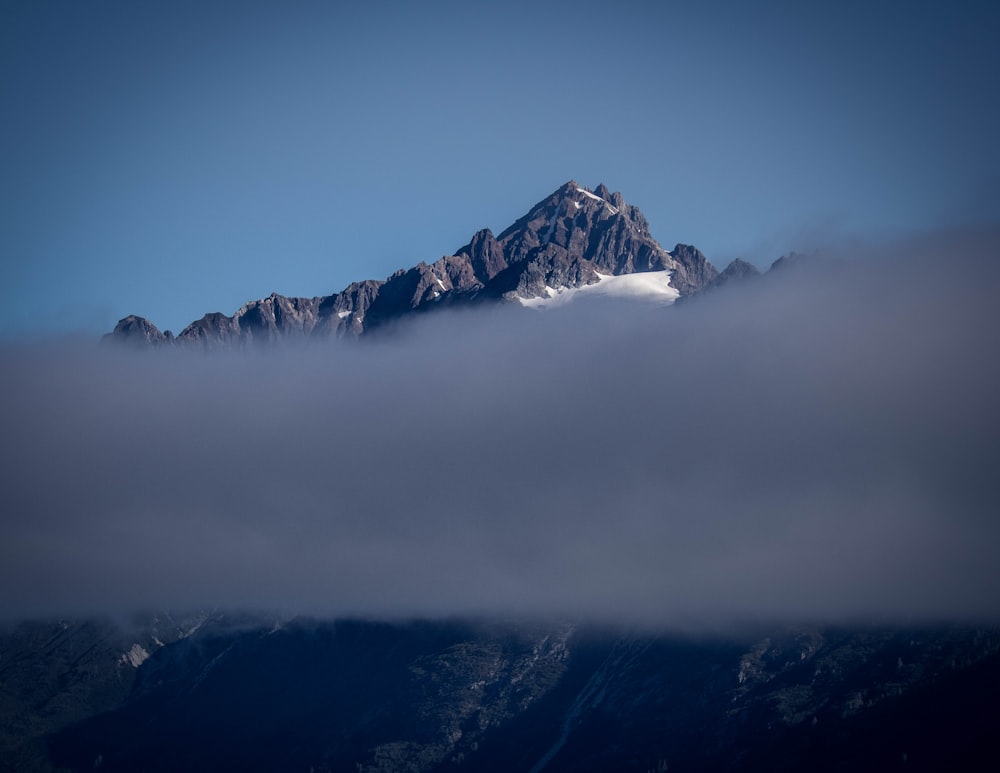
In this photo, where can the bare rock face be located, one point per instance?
(139, 332)
(552, 267)
(344, 313)
(693, 272)
(485, 255)
(740, 269)
(265, 321)
(599, 227)
(276, 317)
(567, 240)
(737, 272)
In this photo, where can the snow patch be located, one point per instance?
(590, 195)
(343, 314)
(649, 286)
(611, 207)
(135, 656)
(547, 236)
(193, 628)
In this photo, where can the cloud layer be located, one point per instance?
(818, 446)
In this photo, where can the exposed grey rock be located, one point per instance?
(613, 236)
(139, 332)
(211, 331)
(552, 267)
(485, 254)
(403, 292)
(277, 317)
(457, 272)
(736, 272)
(693, 270)
(344, 313)
(740, 269)
(597, 230)
(786, 261)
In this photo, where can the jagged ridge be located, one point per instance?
(565, 241)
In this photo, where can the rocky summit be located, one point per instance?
(573, 238)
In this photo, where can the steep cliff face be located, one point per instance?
(484, 256)
(568, 240)
(595, 226)
(693, 272)
(265, 321)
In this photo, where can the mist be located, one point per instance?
(820, 445)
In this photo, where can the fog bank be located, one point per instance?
(820, 445)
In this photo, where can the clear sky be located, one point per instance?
(172, 159)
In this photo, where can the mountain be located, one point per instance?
(572, 239)
(217, 693)
(737, 271)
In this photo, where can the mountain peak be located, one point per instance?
(138, 331)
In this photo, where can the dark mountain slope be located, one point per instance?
(457, 696)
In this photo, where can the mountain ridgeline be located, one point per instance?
(569, 240)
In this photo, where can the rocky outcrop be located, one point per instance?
(268, 320)
(693, 271)
(551, 267)
(138, 332)
(485, 255)
(344, 313)
(737, 272)
(787, 261)
(595, 226)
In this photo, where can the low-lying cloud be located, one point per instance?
(821, 445)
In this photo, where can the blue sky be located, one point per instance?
(178, 158)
